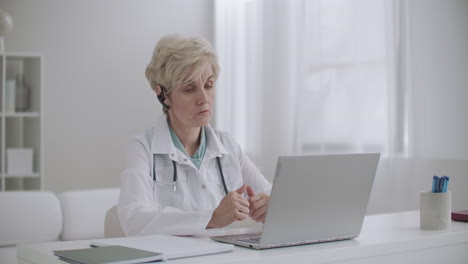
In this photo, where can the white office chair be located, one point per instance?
(27, 217)
(84, 212)
(112, 227)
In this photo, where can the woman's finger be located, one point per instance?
(258, 214)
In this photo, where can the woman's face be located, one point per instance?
(192, 103)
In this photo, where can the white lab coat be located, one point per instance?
(148, 207)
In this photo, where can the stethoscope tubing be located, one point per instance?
(222, 175)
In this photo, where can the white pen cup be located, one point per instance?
(435, 210)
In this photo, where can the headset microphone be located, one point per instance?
(161, 98)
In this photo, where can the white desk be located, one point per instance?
(386, 238)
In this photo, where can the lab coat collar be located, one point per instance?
(162, 142)
(214, 147)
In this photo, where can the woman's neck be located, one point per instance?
(188, 136)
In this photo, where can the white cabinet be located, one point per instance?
(21, 130)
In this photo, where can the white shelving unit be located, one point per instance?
(22, 129)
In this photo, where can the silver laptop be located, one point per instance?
(317, 198)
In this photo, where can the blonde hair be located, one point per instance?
(177, 59)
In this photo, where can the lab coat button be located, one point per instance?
(172, 154)
(203, 186)
(185, 159)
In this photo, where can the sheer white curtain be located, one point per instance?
(309, 76)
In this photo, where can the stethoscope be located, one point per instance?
(174, 177)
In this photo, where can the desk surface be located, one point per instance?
(381, 235)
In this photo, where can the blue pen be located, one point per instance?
(447, 179)
(435, 183)
(441, 184)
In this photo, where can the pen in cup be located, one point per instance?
(440, 184)
(446, 182)
(435, 183)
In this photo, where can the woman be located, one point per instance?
(182, 176)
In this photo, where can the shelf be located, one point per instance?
(21, 114)
(33, 175)
(20, 55)
(21, 129)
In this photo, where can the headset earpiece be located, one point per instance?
(161, 98)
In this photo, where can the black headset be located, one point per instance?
(161, 97)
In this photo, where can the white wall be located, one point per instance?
(96, 95)
(438, 68)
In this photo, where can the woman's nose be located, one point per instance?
(203, 97)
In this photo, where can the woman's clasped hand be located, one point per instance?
(235, 206)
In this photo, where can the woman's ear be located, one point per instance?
(157, 89)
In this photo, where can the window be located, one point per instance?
(309, 76)
(344, 103)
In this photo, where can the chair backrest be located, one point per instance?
(29, 216)
(112, 227)
(84, 212)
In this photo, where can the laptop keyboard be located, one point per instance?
(251, 240)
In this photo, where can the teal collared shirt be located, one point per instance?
(199, 154)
